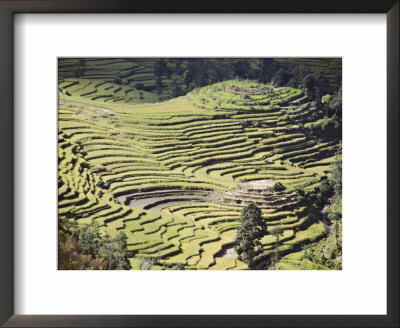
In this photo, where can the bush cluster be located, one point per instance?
(84, 248)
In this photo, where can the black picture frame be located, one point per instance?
(8, 200)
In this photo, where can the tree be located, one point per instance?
(249, 234)
(300, 194)
(200, 78)
(212, 77)
(326, 99)
(298, 72)
(89, 239)
(85, 248)
(268, 67)
(277, 232)
(281, 78)
(187, 79)
(336, 178)
(278, 186)
(139, 86)
(70, 256)
(173, 89)
(222, 70)
(325, 188)
(335, 103)
(113, 251)
(159, 85)
(80, 70)
(292, 83)
(315, 84)
(309, 84)
(241, 68)
(160, 68)
(117, 80)
(177, 62)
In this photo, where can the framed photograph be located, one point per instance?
(204, 165)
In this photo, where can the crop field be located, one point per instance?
(172, 174)
(114, 80)
(132, 80)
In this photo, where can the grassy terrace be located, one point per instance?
(94, 79)
(112, 153)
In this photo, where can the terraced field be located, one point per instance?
(331, 67)
(171, 174)
(114, 80)
(134, 80)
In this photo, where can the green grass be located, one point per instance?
(297, 261)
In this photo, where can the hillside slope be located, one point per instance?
(157, 171)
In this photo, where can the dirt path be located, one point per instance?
(95, 109)
(330, 227)
(325, 250)
(227, 251)
(230, 253)
(325, 219)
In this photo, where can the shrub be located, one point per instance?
(85, 248)
(70, 256)
(278, 186)
(180, 266)
(117, 80)
(281, 77)
(300, 194)
(139, 86)
(326, 188)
